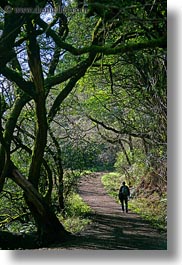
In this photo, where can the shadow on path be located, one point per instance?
(112, 229)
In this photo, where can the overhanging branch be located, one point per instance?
(81, 70)
(107, 49)
(120, 132)
(26, 86)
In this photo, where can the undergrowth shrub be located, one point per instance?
(76, 213)
(152, 207)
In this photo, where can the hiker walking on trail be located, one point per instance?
(124, 193)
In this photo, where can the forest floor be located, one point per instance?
(112, 229)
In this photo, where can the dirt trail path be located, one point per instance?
(112, 229)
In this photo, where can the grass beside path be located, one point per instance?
(152, 209)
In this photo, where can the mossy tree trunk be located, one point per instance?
(49, 227)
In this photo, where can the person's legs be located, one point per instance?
(122, 204)
(126, 204)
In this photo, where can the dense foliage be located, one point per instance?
(82, 86)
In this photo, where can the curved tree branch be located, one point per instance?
(160, 42)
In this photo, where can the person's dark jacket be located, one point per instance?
(121, 195)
